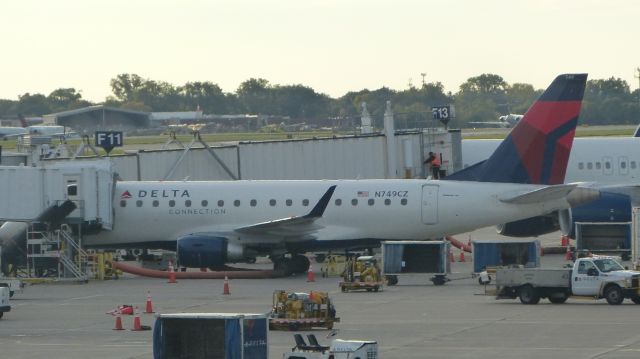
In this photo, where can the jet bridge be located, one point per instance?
(46, 210)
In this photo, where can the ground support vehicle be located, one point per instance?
(604, 238)
(490, 254)
(302, 311)
(4, 301)
(591, 277)
(339, 349)
(416, 258)
(362, 273)
(15, 285)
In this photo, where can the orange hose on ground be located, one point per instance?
(234, 274)
(456, 243)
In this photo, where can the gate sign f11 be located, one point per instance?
(109, 139)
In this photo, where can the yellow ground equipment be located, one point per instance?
(362, 273)
(333, 266)
(301, 311)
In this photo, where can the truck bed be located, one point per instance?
(538, 277)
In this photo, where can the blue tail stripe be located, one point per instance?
(550, 147)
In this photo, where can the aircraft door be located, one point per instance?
(623, 162)
(430, 204)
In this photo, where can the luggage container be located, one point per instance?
(489, 254)
(210, 335)
(604, 238)
(415, 257)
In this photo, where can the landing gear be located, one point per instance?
(300, 263)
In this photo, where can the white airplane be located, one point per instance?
(211, 223)
(506, 121)
(34, 130)
(610, 163)
(7, 132)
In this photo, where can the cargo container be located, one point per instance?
(210, 335)
(604, 238)
(415, 257)
(494, 253)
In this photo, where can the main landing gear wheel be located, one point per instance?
(300, 264)
(282, 265)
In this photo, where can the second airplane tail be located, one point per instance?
(537, 149)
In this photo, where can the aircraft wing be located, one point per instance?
(296, 226)
(540, 195)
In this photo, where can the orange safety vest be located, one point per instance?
(436, 161)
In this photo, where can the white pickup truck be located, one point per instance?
(4, 301)
(591, 277)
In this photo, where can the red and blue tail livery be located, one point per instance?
(537, 149)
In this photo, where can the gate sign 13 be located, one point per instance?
(109, 139)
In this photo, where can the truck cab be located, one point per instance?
(604, 277)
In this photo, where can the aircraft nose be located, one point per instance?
(582, 195)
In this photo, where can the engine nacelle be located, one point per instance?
(611, 207)
(529, 227)
(204, 250)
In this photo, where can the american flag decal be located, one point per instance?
(363, 193)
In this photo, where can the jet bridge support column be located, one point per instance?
(390, 135)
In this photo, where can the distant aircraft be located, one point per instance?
(210, 223)
(507, 121)
(34, 130)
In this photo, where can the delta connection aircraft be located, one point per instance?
(210, 223)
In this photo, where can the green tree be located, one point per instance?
(124, 86)
(33, 105)
(256, 96)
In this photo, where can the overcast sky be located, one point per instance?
(333, 46)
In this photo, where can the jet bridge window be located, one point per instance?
(138, 203)
(288, 202)
(220, 203)
(272, 202)
(155, 203)
(204, 203)
(172, 203)
(253, 203)
(305, 202)
(338, 202)
(236, 203)
(187, 203)
(72, 190)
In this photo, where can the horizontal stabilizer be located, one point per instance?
(544, 194)
(291, 226)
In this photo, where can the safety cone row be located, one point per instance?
(567, 255)
(310, 276)
(149, 305)
(226, 290)
(172, 273)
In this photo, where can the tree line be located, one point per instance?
(480, 98)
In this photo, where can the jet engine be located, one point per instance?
(611, 207)
(200, 250)
(529, 227)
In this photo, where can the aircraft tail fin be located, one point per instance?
(537, 150)
(637, 133)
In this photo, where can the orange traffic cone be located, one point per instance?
(118, 321)
(462, 256)
(568, 256)
(564, 241)
(136, 321)
(172, 273)
(226, 290)
(310, 276)
(149, 307)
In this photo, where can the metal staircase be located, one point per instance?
(55, 253)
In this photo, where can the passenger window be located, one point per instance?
(204, 203)
(289, 202)
(338, 202)
(354, 202)
(633, 164)
(403, 201)
(387, 201)
(123, 203)
(272, 202)
(187, 203)
(623, 164)
(371, 201)
(236, 203)
(589, 165)
(598, 165)
(607, 165)
(253, 203)
(220, 203)
(305, 202)
(138, 203)
(155, 203)
(172, 203)
(580, 165)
